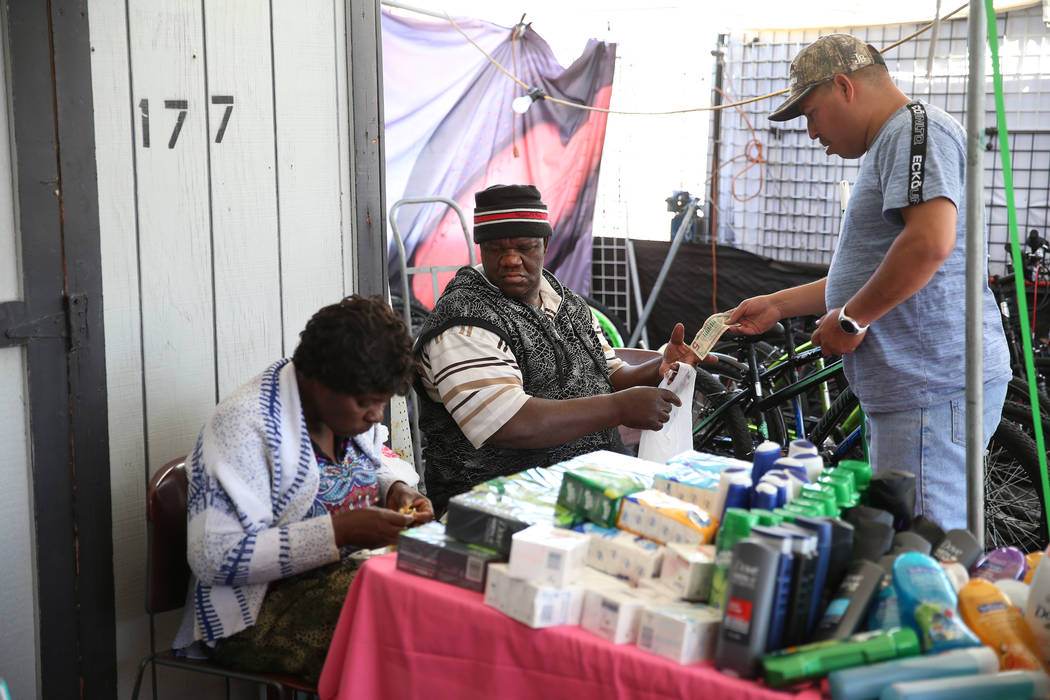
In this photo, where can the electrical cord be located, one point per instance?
(541, 95)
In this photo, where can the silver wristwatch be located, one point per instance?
(848, 324)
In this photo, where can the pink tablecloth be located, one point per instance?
(404, 636)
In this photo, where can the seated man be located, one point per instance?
(515, 371)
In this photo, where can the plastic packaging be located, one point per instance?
(960, 546)
(1010, 685)
(928, 603)
(1015, 591)
(749, 605)
(922, 525)
(894, 491)
(860, 514)
(813, 463)
(781, 540)
(841, 546)
(867, 682)
(736, 525)
(871, 540)
(801, 447)
(1037, 609)
(1032, 560)
(848, 610)
(885, 611)
(676, 435)
(1004, 562)
(956, 573)
(821, 529)
(765, 454)
(796, 664)
(988, 612)
(906, 541)
(734, 490)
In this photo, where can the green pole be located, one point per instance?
(1015, 252)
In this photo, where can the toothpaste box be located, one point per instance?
(621, 553)
(548, 555)
(530, 603)
(690, 485)
(687, 570)
(613, 612)
(664, 518)
(595, 483)
(704, 462)
(685, 634)
(428, 551)
(490, 519)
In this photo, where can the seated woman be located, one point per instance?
(288, 476)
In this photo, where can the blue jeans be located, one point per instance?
(931, 443)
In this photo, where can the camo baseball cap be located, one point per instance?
(820, 62)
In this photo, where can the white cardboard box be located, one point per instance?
(685, 634)
(548, 555)
(622, 553)
(613, 612)
(688, 569)
(532, 604)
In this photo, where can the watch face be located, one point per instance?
(848, 326)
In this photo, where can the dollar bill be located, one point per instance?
(708, 335)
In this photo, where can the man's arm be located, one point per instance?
(758, 314)
(549, 422)
(917, 253)
(650, 373)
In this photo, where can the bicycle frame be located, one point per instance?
(751, 398)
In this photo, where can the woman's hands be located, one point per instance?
(374, 526)
(405, 499)
(369, 528)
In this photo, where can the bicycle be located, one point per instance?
(738, 403)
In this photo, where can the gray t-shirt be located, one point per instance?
(915, 355)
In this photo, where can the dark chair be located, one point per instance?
(167, 580)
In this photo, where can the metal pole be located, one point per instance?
(975, 270)
(658, 285)
(636, 288)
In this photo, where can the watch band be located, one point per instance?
(849, 324)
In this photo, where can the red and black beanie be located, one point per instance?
(510, 211)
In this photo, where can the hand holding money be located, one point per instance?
(708, 335)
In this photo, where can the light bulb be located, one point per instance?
(521, 104)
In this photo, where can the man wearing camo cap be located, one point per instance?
(892, 303)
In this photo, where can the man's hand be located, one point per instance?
(403, 498)
(369, 527)
(677, 351)
(832, 339)
(645, 407)
(755, 315)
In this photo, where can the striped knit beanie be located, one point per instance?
(510, 211)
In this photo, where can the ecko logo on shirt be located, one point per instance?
(917, 163)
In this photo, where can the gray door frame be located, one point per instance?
(59, 321)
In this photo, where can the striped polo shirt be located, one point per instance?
(473, 372)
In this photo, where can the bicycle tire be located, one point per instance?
(1021, 414)
(839, 410)
(617, 322)
(1014, 511)
(708, 394)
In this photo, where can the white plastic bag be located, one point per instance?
(676, 435)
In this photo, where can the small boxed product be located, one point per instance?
(490, 519)
(594, 484)
(613, 612)
(428, 551)
(689, 484)
(531, 604)
(685, 634)
(664, 518)
(621, 553)
(687, 570)
(704, 462)
(548, 555)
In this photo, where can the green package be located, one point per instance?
(595, 492)
(796, 664)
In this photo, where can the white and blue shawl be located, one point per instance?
(253, 478)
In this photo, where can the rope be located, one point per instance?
(714, 108)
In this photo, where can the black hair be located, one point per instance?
(358, 346)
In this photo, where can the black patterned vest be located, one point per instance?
(559, 358)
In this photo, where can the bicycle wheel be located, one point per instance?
(829, 423)
(726, 434)
(1014, 512)
(611, 316)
